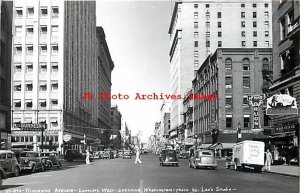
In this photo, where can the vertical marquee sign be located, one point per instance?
(255, 101)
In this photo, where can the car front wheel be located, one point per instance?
(16, 172)
(33, 169)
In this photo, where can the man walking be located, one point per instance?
(137, 156)
(269, 160)
(87, 159)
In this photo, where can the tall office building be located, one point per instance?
(199, 27)
(6, 8)
(54, 66)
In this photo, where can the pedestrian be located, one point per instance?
(87, 159)
(276, 155)
(137, 156)
(269, 161)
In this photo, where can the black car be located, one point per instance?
(168, 157)
(51, 159)
(73, 154)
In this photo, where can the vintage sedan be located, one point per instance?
(203, 158)
(9, 162)
(108, 154)
(31, 160)
(126, 154)
(51, 159)
(2, 177)
(168, 157)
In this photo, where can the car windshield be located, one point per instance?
(45, 154)
(168, 152)
(28, 154)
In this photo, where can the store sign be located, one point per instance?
(67, 137)
(30, 126)
(284, 128)
(235, 131)
(255, 101)
(281, 104)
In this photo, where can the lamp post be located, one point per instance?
(239, 133)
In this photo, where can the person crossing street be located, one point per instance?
(137, 156)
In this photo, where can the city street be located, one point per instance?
(122, 175)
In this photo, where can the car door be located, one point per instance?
(3, 162)
(9, 158)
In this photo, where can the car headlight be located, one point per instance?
(26, 160)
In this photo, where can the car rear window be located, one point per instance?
(206, 153)
(169, 152)
(27, 154)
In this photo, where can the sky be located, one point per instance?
(137, 37)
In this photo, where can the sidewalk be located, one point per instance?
(285, 170)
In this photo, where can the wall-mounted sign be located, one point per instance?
(67, 137)
(281, 104)
(256, 101)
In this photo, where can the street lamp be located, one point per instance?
(239, 133)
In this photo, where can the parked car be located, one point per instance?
(31, 160)
(115, 153)
(97, 155)
(2, 177)
(108, 154)
(203, 158)
(51, 160)
(9, 162)
(126, 154)
(101, 154)
(168, 157)
(73, 154)
(121, 152)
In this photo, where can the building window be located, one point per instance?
(266, 24)
(219, 14)
(17, 104)
(208, 34)
(254, 33)
(42, 103)
(42, 86)
(18, 49)
(196, 24)
(243, 24)
(266, 5)
(266, 14)
(207, 5)
(54, 103)
(195, 34)
(243, 15)
(219, 34)
(53, 123)
(30, 12)
(44, 30)
(246, 81)
(28, 104)
(243, 43)
(228, 64)
(43, 49)
(29, 86)
(43, 67)
(17, 67)
(207, 44)
(17, 86)
(54, 86)
(29, 30)
(246, 121)
(219, 24)
(254, 15)
(207, 24)
(18, 30)
(254, 43)
(195, 15)
(195, 5)
(196, 53)
(267, 44)
(219, 44)
(196, 63)
(54, 67)
(246, 64)
(196, 44)
(254, 5)
(266, 33)
(29, 67)
(228, 102)
(228, 81)
(54, 49)
(243, 34)
(29, 49)
(55, 12)
(19, 12)
(254, 23)
(242, 5)
(54, 30)
(228, 121)
(245, 102)
(44, 11)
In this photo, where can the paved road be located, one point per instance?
(122, 175)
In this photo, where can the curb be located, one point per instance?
(283, 174)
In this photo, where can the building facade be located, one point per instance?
(6, 16)
(54, 66)
(199, 27)
(233, 75)
(116, 124)
(165, 121)
(286, 80)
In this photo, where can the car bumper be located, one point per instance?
(206, 165)
(126, 156)
(26, 167)
(169, 163)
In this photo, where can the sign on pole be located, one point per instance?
(255, 101)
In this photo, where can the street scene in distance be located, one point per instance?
(142, 96)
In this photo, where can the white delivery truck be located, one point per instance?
(248, 153)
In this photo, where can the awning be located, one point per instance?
(222, 146)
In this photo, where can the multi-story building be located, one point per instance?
(6, 8)
(116, 123)
(105, 66)
(286, 77)
(233, 75)
(54, 67)
(165, 121)
(199, 27)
